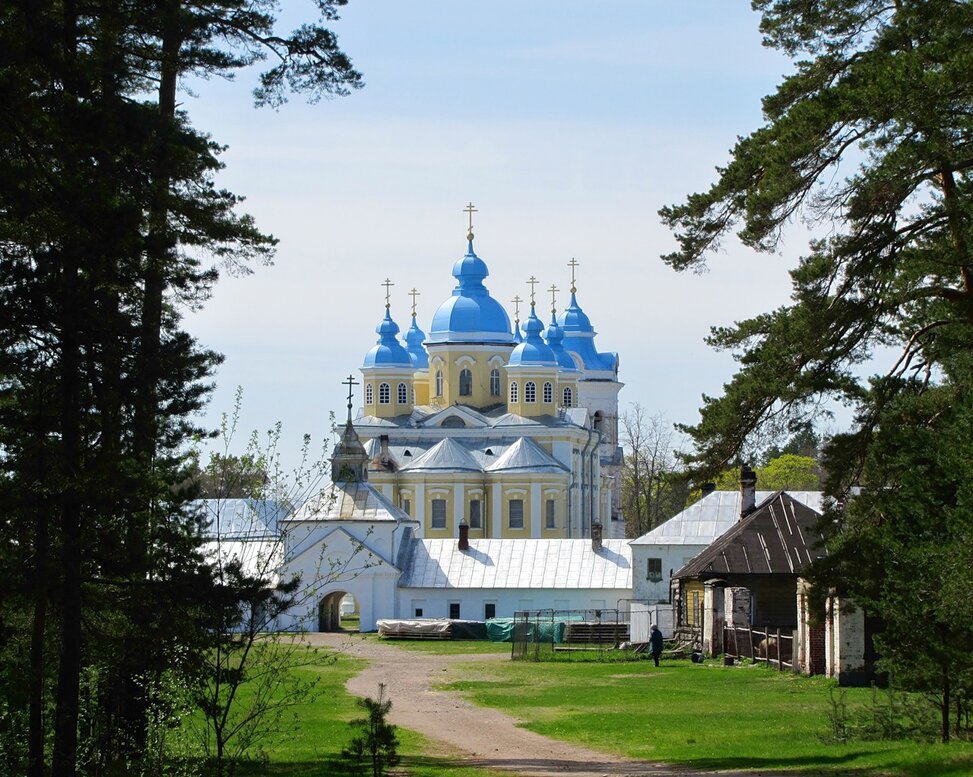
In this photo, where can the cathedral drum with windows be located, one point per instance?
(513, 434)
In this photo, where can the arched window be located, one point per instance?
(403, 394)
(568, 397)
(369, 397)
(384, 394)
(548, 392)
(530, 391)
(465, 383)
(494, 382)
(513, 391)
(439, 383)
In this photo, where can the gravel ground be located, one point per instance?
(477, 736)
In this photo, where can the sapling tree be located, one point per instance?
(376, 743)
(250, 677)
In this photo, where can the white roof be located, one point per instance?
(526, 454)
(509, 563)
(350, 501)
(243, 519)
(705, 520)
(446, 456)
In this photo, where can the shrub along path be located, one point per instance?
(477, 736)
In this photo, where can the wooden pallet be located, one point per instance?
(598, 633)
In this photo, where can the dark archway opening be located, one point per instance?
(338, 611)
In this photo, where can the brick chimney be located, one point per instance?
(596, 536)
(464, 537)
(748, 490)
(707, 488)
(383, 442)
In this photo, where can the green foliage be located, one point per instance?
(869, 139)
(886, 95)
(376, 743)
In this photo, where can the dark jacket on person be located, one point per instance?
(656, 641)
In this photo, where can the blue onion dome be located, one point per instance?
(574, 319)
(555, 339)
(388, 351)
(533, 351)
(470, 315)
(414, 338)
(518, 337)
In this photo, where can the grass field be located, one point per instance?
(698, 715)
(705, 716)
(311, 746)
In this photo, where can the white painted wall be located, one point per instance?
(435, 601)
(673, 557)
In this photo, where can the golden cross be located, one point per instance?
(388, 294)
(414, 293)
(470, 210)
(532, 282)
(349, 383)
(554, 290)
(572, 264)
(517, 300)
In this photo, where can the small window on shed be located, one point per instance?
(653, 569)
(454, 611)
(489, 610)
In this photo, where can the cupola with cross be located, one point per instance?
(470, 338)
(532, 369)
(388, 371)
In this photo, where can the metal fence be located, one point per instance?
(543, 635)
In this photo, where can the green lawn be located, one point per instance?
(444, 647)
(312, 744)
(697, 715)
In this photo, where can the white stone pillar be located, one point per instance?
(421, 509)
(496, 512)
(845, 642)
(736, 606)
(535, 510)
(459, 508)
(713, 618)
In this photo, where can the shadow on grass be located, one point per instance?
(826, 765)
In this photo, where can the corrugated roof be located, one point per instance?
(509, 563)
(354, 501)
(708, 518)
(526, 455)
(778, 537)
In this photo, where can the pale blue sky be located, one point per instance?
(568, 124)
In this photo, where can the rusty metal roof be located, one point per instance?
(778, 538)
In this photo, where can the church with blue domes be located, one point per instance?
(508, 428)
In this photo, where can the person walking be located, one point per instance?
(655, 644)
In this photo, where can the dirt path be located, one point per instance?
(476, 736)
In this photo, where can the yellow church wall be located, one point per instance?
(538, 407)
(373, 394)
(480, 361)
(420, 384)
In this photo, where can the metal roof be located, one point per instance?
(350, 501)
(708, 518)
(242, 519)
(510, 563)
(779, 537)
(445, 456)
(527, 455)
